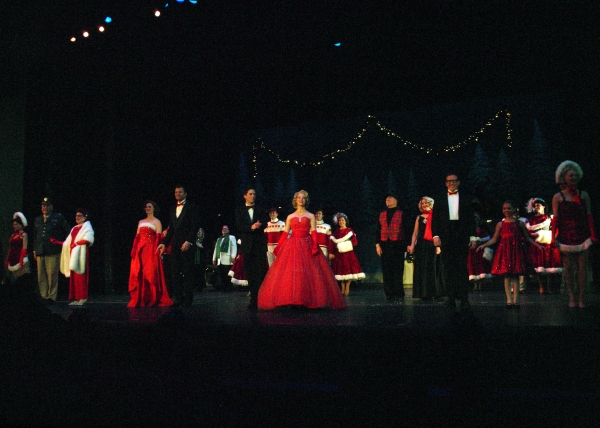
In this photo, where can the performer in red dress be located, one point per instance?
(511, 258)
(273, 230)
(300, 274)
(146, 276)
(344, 262)
(480, 263)
(547, 261)
(17, 260)
(74, 258)
(574, 233)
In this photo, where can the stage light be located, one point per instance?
(193, 1)
(337, 44)
(73, 39)
(179, 1)
(108, 19)
(85, 34)
(101, 29)
(157, 13)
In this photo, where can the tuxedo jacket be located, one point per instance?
(183, 228)
(252, 241)
(440, 225)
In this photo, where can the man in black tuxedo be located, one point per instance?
(250, 222)
(183, 225)
(453, 228)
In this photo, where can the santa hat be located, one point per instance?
(21, 216)
(567, 165)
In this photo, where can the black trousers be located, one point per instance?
(392, 268)
(256, 269)
(455, 272)
(182, 276)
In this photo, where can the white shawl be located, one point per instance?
(74, 260)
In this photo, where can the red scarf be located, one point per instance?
(428, 235)
(573, 191)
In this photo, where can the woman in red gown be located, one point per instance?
(511, 259)
(300, 274)
(75, 260)
(146, 276)
(344, 262)
(575, 229)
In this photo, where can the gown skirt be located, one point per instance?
(297, 278)
(146, 276)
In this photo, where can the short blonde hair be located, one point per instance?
(303, 192)
(428, 200)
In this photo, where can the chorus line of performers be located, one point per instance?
(301, 261)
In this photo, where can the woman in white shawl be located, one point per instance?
(74, 260)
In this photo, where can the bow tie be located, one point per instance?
(179, 204)
(453, 193)
(249, 207)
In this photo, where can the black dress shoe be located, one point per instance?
(253, 306)
(176, 304)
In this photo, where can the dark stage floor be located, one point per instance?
(373, 364)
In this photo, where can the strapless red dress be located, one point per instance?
(297, 278)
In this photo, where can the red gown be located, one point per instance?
(511, 256)
(147, 277)
(345, 265)
(298, 278)
(79, 282)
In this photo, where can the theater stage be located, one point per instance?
(373, 364)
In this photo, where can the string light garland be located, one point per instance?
(259, 144)
(102, 28)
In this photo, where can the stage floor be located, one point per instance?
(367, 308)
(372, 364)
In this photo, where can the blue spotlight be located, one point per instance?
(193, 1)
(180, 1)
(108, 19)
(337, 44)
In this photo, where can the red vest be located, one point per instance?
(393, 232)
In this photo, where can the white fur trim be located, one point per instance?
(18, 265)
(575, 248)
(572, 165)
(148, 224)
(22, 217)
(480, 276)
(352, 276)
(344, 238)
(74, 260)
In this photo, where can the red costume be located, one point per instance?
(547, 259)
(511, 256)
(345, 265)
(479, 267)
(147, 276)
(238, 273)
(299, 278)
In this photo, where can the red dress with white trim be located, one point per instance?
(546, 259)
(345, 265)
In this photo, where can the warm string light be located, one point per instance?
(260, 144)
(108, 19)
